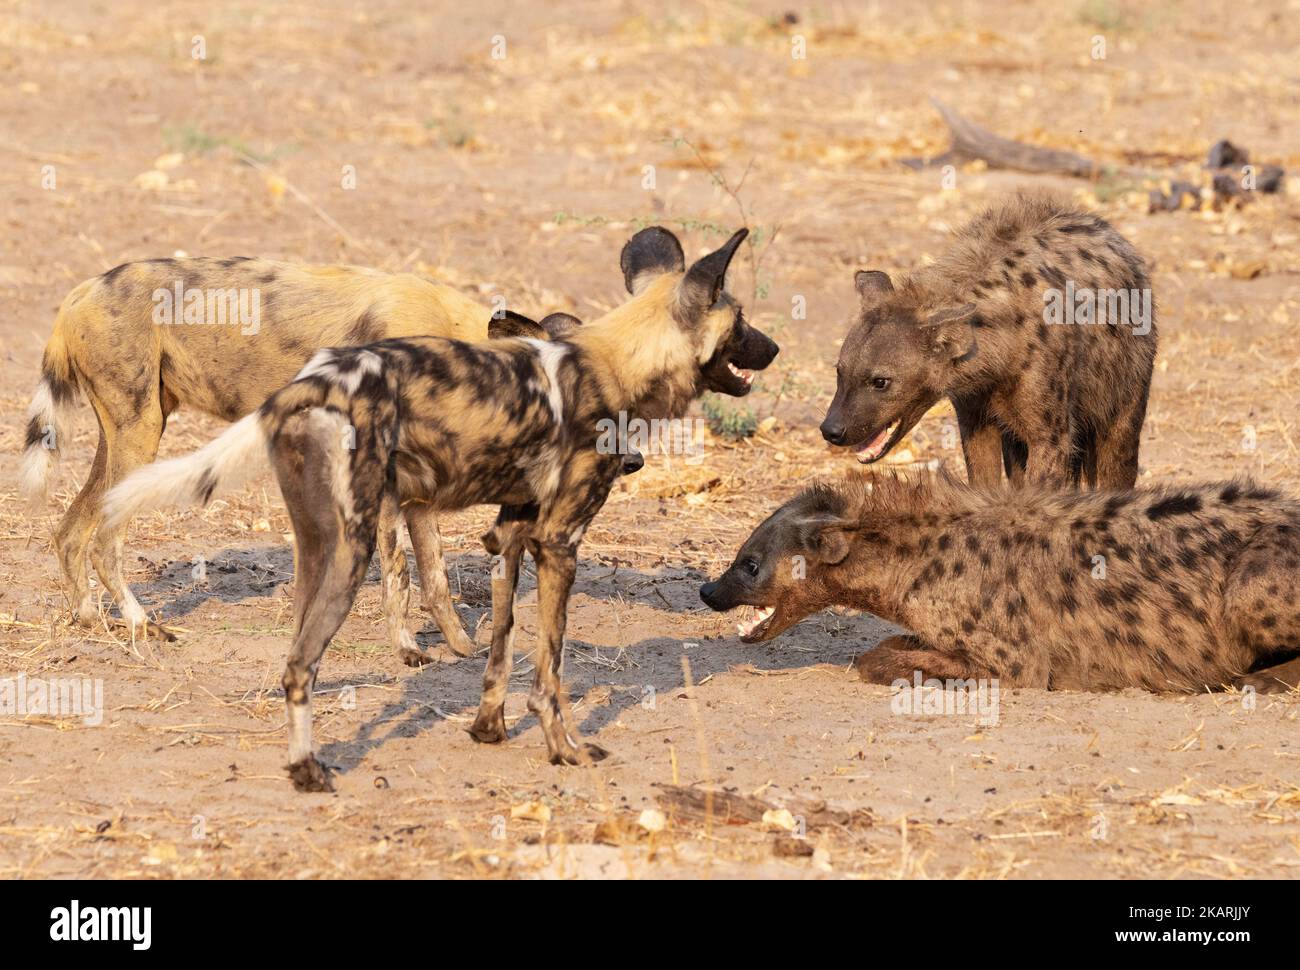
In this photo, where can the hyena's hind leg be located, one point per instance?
(422, 523)
(1117, 446)
(1273, 680)
(333, 546)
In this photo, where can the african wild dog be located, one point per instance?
(1054, 403)
(510, 421)
(112, 342)
(1177, 588)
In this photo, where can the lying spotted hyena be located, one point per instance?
(1038, 324)
(514, 422)
(138, 345)
(1167, 589)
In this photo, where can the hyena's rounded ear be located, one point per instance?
(515, 325)
(560, 325)
(828, 535)
(872, 284)
(705, 280)
(951, 331)
(650, 253)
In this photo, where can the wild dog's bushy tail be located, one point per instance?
(237, 455)
(47, 418)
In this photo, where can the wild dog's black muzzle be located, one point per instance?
(633, 461)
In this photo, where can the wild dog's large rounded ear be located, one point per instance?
(650, 253)
(871, 285)
(951, 331)
(560, 325)
(705, 280)
(515, 325)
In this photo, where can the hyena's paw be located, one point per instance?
(489, 729)
(589, 754)
(1263, 683)
(309, 775)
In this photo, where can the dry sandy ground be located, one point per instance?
(524, 176)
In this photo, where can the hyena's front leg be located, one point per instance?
(422, 523)
(490, 725)
(556, 568)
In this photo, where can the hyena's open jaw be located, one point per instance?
(883, 441)
(750, 626)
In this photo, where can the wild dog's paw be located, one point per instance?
(414, 657)
(461, 645)
(589, 754)
(309, 775)
(490, 729)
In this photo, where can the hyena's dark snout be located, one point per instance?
(719, 595)
(834, 430)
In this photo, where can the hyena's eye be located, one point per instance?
(750, 566)
(880, 383)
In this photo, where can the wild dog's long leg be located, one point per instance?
(335, 536)
(133, 442)
(556, 568)
(1272, 680)
(72, 537)
(396, 578)
(490, 725)
(422, 522)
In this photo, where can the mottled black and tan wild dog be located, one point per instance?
(1038, 324)
(512, 422)
(1176, 588)
(236, 330)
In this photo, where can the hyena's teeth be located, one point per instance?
(756, 618)
(873, 448)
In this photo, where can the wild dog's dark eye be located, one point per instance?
(750, 566)
(880, 383)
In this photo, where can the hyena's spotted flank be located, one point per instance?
(1177, 588)
(511, 422)
(137, 365)
(1055, 400)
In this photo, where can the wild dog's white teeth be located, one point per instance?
(744, 375)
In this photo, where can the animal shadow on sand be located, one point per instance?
(600, 687)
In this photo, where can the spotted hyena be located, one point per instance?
(1168, 589)
(1038, 324)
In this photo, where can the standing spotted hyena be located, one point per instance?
(1178, 588)
(1038, 324)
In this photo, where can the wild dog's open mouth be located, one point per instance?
(745, 375)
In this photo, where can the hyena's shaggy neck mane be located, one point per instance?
(644, 362)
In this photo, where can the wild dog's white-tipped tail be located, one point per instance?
(47, 422)
(237, 455)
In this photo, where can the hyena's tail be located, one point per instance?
(47, 418)
(237, 455)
